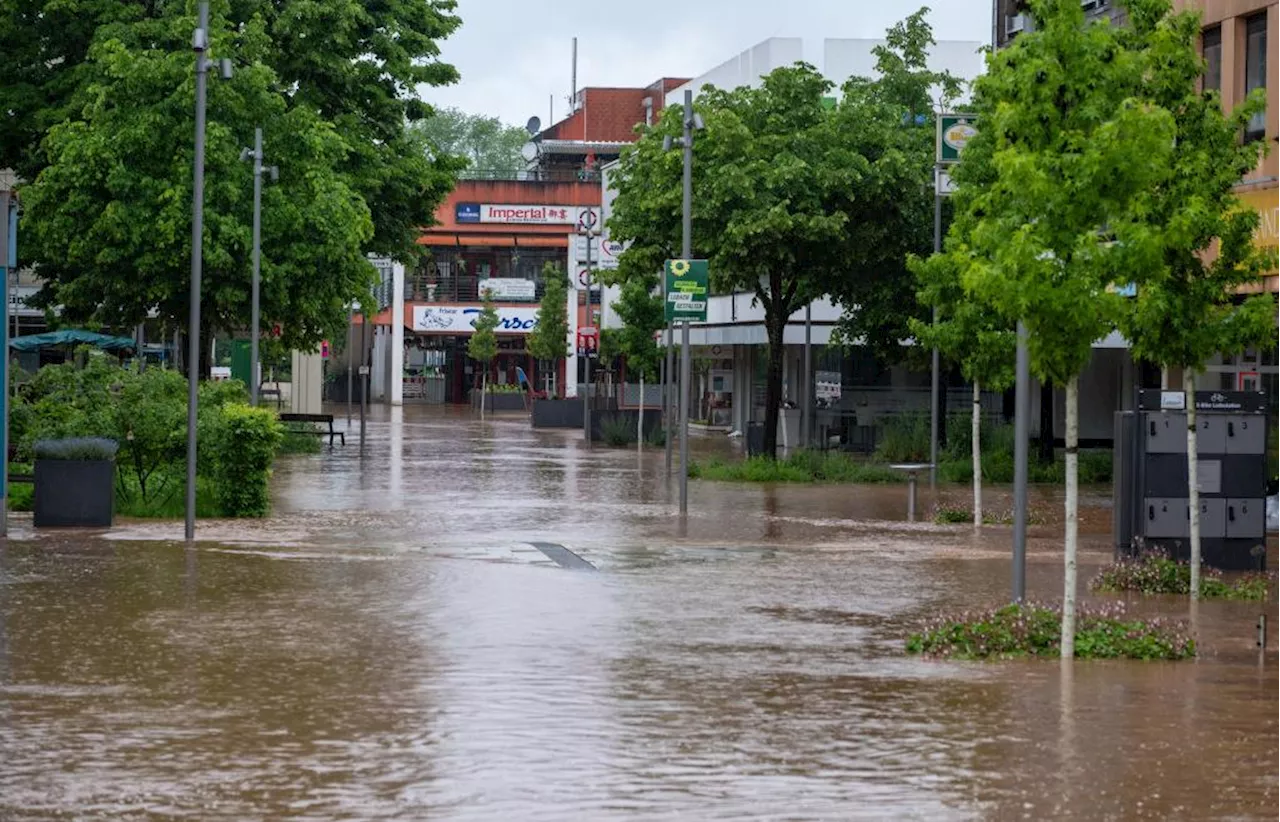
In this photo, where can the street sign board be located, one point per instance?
(954, 133)
(686, 290)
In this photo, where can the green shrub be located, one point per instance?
(1155, 573)
(904, 438)
(76, 448)
(658, 437)
(1030, 629)
(246, 446)
(617, 431)
(799, 466)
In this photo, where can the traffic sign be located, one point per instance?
(686, 291)
(954, 133)
(588, 219)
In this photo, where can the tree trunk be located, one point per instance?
(640, 416)
(1045, 442)
(773, 384)
(1072, 521)
(1193, 490)
(484, 391)
(977, 455)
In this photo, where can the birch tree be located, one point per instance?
(969, 333)
(1190, 248)
(1069, 150)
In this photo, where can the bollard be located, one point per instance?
(911, 497)
(1262, 632)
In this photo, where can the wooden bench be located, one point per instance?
(305, 421)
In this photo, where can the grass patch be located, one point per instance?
(947, 516)
(1155, 573)
(799, 466)
(1034, 630)
(169, 502)
(295, 442)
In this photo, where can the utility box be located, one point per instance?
(1152, 508)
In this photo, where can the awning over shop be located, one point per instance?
(71, 336)
(496, 240)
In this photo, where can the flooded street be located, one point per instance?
(390, 644)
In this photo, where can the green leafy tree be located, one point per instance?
(1063, 154)
(1186, 307)
(549, 339)
(890, 122)
(641, 311)
(486, 143)
(483, 345)
(970, 334)
(101, 99)
(793, 198)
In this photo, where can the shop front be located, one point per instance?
(437, 366)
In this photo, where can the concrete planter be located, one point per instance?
(557, 413)
(74, 493)
(498, 402)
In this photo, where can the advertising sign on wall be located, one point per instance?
(460, 319)
(508, 288)
(524, 214)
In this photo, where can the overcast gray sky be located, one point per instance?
(514, 54)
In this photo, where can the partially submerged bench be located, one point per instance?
(304, 424)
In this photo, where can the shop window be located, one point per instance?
(1255, 70)
(1211, 42)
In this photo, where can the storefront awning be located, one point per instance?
(496, 240)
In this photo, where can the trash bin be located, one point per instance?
(755, 439)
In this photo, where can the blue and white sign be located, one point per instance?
(460, 320)
(467, 213)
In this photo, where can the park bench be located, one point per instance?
(303, 424)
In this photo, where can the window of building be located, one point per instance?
(1211, 41)
(1255, 69)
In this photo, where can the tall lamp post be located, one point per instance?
(255, 154)
(199, 44)
(692, 122)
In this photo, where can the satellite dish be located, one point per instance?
(533, 126)
(529, 151)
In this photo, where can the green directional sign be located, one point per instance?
(954, 133)
(686, 290)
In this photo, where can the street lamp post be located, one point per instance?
(258, 169)
(199, 44)
(692, 122)
(934, 376)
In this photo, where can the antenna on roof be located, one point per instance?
(573, 80)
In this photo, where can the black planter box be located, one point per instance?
(652, 421)
(557, 413)
(504, 401)
(75, 493)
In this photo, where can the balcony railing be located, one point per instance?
(550, 175)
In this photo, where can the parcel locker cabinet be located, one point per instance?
(1152, 508)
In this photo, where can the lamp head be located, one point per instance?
(275, 173)
(698, 123)
(224, 68)
(666, 143)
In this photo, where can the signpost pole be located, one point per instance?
(668, 395)
(684, 418)
(586, 351)
(934, 412)
(8, 262)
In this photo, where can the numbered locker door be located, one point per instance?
(1245, 434)
(1166, 433)
(1164, 517)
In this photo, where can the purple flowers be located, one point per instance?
(1103, 631)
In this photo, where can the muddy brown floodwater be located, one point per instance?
(389, 645)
